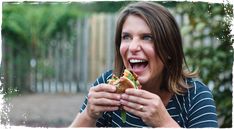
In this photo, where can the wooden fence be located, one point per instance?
(72, 64)
(78, 63)
(69, 64)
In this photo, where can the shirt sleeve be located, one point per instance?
(103, 120)
(202, 111)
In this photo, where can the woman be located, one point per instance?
(148, 42)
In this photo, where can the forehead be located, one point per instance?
(135, 23)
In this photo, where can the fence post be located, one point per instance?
(86, 52)
(93, 47)
(78, 59)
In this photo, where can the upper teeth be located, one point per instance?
(136, 61)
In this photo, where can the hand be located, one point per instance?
(148, 106)
(102, 98)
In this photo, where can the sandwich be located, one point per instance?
(128, 80)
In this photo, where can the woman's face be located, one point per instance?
(137, 51)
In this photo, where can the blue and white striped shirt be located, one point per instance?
(194, 109)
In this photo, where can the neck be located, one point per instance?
(155, 88)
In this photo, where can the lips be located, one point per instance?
(138, 65)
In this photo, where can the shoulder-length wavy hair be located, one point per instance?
(167, 43)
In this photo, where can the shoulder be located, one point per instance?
(106, 75)
(201, 105)
(198, 89)
(197, 93)
(103, 77)
(199, 96)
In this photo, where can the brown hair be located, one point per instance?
(168, 43)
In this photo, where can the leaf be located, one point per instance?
(123, 116)
(200, 26)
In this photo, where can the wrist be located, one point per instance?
(171, 123)
(89, 117)
(83, 120)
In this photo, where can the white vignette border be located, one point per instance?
(2, 101)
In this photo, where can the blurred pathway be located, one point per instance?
(44, 110)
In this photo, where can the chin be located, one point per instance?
(142, 80)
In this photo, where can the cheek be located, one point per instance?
(154, 57)
(157, 61)
(151, 52)
(123, 50)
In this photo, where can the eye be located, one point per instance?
(147, 37)
(126, 37)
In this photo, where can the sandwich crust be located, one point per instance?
(128, 80)
(124, 83)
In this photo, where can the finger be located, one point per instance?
(134, 111)
(104, 102)
(107, 95)
(104, 87)
(106, 108)
(134, 99)
(132, 105)
(95, 111)
(140, 93)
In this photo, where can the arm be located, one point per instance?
(83, 120)
(101, 98)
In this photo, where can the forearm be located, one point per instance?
(171, 124)
(83, 120)
(166, 121)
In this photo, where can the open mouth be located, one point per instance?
(137, 64)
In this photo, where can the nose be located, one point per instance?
(134, 46)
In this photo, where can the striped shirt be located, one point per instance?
(194, 109)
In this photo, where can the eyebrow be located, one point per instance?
(140, 33)
(146, 34)
(125, 33)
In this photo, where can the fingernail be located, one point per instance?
(122, 101)
(116, 108)
(123, 95)
(113, 88)
(126, 90)
(118, 97)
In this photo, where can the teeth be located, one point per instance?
(136, 61)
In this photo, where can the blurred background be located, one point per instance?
(53, 52)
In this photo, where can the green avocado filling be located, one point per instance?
(131, 77)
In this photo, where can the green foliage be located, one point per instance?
(214, 59)
(107, 6)
(27, 31)
(36, 24)
(12, 93)
(48, 70)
